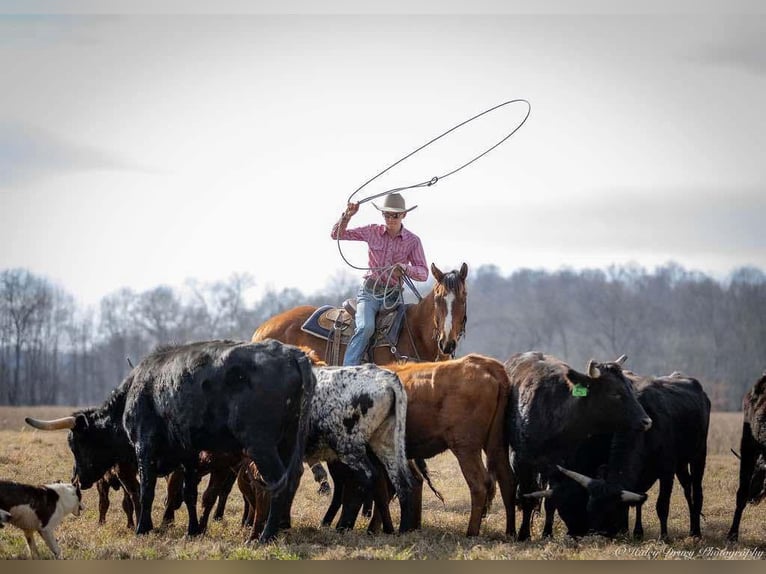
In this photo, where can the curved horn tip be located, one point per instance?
(580, 479)
(592, 370)
(55, 424)
(539, 494)
(628, 496)
(622, 359)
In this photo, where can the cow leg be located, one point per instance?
(698, 473)
(526, 485)
(507, 483)
(682, 472)
(174, 497)
(339, 474)
(127, 477)
(638, 527)
(360, 484)
(148, 482)
(271, 468)
(190, 486)
(102, 486)
(381, 499)
(218, 488)
(401, 479)
(748, 456)
(417, 494)
(128, 508)
(248, 496)
(663, 503)
(478, 483)
(550, 511)
(229, 479)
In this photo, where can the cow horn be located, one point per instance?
(539, 494)
(735, 453)
(593, 371)
(628, 496)
(55, 424)
(622, 359)
(580, 479)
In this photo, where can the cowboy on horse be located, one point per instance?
(393, 253)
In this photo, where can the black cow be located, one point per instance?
(554, 407)
(752, 468)
(215, 395)
(676, 445)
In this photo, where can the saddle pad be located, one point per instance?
(387, 326)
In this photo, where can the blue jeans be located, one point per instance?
(367, 307)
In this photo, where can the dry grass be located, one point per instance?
(38, 457)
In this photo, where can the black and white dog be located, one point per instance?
(38, 509)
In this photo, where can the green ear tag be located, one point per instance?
(579, 391)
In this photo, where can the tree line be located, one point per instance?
(53, 351)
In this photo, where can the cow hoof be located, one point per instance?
(324, 488)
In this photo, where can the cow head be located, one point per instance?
(93, 441)
(606, 398)
(450, 308)
(605, 511)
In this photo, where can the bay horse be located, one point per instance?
(431, 331)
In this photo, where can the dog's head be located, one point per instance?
(70, 497)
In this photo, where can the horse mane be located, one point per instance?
(452, 281)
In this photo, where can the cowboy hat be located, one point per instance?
(394, 203)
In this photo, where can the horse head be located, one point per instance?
(450, 308)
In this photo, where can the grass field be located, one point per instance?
(34, 456)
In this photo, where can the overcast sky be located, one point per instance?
(138, 150)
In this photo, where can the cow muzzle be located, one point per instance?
(646, 424)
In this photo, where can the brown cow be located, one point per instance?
(457, 405)
(460, 405)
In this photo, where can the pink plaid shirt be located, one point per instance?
(384, 250)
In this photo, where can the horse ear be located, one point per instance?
(436, 272)
(463, 271)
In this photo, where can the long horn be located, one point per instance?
(628, 496)
(592, 370)
(735, 453)
(622, 359)
(539, 494)
(580, 479)
(55, 424)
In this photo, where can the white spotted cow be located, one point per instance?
(356, 411)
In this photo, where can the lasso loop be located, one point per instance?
(388, 271)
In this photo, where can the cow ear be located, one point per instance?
(81, 422)
(577, 378)
(463, 271)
